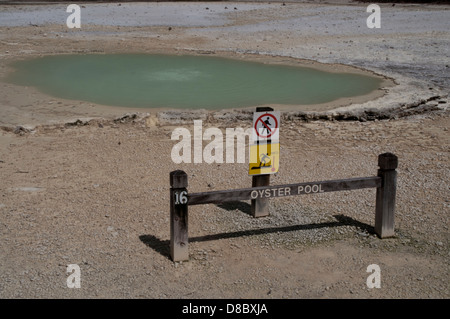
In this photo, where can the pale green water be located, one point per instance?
(194, 82)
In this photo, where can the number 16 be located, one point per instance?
(181, 198)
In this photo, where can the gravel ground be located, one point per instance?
(96, 195)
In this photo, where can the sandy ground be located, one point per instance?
(84, 184)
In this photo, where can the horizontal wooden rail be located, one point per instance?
(283, 190)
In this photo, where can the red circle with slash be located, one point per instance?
(271, 130)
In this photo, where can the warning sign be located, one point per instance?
(264, 159)
(266, 126)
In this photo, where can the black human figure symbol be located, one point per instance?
(266, 126)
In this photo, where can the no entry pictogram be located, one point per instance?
(266, 125)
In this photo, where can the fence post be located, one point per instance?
(385, 202)
(178, 216)
(260, 206)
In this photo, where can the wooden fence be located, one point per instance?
(385, 182)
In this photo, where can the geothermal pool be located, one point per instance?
(184, 81)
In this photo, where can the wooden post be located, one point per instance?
(178, 216)
(260, 207)
(385, 204)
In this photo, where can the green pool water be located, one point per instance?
(185, 82)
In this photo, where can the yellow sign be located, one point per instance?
(264, 159)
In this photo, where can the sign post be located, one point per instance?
(264, 156)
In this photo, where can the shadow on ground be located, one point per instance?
(162, 246)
